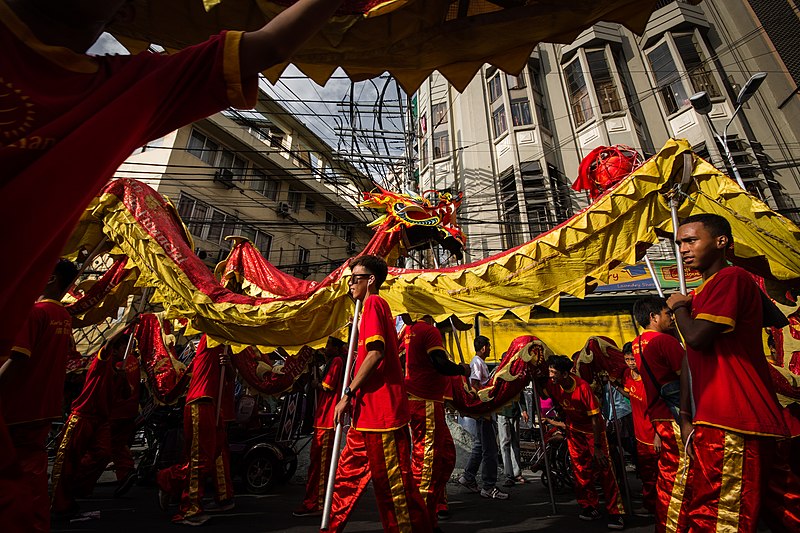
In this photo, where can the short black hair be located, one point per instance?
(627, 348)
(480, 342)
(715, 224)
(643, 307)
(335, 342)
(374, 265)
(65, 273)
(562, 363)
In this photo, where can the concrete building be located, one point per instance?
(513, 143)
(265, 175)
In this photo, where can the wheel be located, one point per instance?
(261, 471)
(289, 468)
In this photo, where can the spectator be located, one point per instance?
(508, 431)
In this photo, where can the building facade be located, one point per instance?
(513, 143)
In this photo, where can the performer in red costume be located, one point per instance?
(205, 440)
(734, 431)
(378, 444)
(659, 357)
(124, 410)
(648, 443)
(322, 444)
(32, 393)
(427, 367)
(586, 441)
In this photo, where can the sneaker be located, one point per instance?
(444, 514)
(615, 521)
(125, 484)
(520, 480)
(470, 485)
(307, 512)
(494, 494)
(191, 520)
(589, 513)
(215, 507)
(163, 500)
(508, 482)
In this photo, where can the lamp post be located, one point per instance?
(702, 104)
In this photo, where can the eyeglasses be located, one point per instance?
(356, 277)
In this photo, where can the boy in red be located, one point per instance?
(586, 442)
(427, 369)
(322, 445)
(737, 419)
(32, 387)
(378, 445)
(659, 357)
(124, 410)
(205, 440)
(648, 443)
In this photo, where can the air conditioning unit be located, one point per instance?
(352, 248)
(225, 177)
(283, 208)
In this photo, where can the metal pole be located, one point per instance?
(452, 322)
(653, 275)
(619, 447)
(337, 439)
(549, 470)
(673, 208)
(221, 387)
(139, 310)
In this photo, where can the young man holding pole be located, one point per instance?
(733, 433)
(378, 444)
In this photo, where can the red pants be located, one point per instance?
(384, 457)
(122, 430)
(206, 448)
(671, 487)
(586, 469)
(733, 476)
(647, 468)
(434, 453)
(24, 501)
(83, 454)
(321, 450)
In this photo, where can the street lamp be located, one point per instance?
(702, 104)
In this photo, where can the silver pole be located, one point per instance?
(653, 276)
(550, 479)
(619, 447)
(139, 310)
(337, 439)
(673, 208)
(221, 387)
(452, 322)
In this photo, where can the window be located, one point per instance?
(700, 76)
(499, 125)
(216, 226)
(515, 82)
(439, 114)
(423, 124)
(668, 81)
(604, 86)
(441, 144)
(495, 89)
(310, 205)
(510, 209)
(303, 260)
(202, 147)
(521, 112)
(264, 185)
(263, 241)
(197, 221)
(424, 154)
(234, 163)
(578, 93)
(276, 138)
(331, 223)
(294, 200)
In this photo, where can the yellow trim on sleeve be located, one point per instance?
(327, 387)
(374, 338)
(437, 348)
(23, 351)
(593, 412)
(242, 94)
(724, 320)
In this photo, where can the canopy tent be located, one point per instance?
(408, 38)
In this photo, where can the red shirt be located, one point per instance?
(206, 374)
(579, 404)
(126, 387)
(34, 389)
(329, 396)
(664, 355)
(422, 379)
(642, 425)
(95, 398)
(730, 379)
(380, 403)
(60, 132)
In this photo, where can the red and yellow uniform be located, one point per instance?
(32, 395)
(433, 457)
(579, 406)
(322, 445)
(205, 441)
(738, 419)
(85, 447)
(646, 455)
(378, 445)
(124, 410)
(664, 356)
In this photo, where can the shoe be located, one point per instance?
(508, 483)
(66, 515)
(520, 480)
(615, 521)
(191, 520)
(163, 500)
(307, 512)
(215, 507)
(470, 485)
(444, 514)
(494, 494)
(125, 484)
(589, 513)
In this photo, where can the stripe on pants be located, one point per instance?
(194, 462)
(679, 486)
(427, 461)
(58, 464)
(731, 485)
(323, 469)
(392, 461)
